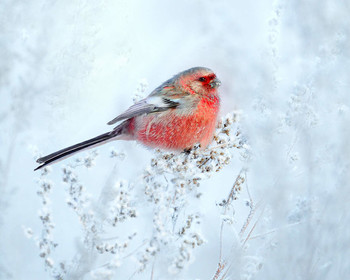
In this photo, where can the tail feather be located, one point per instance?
(46, 160)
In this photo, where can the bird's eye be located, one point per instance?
(202, 79)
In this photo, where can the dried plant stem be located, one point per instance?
(273, 230)
(221, 267)
(253, 227)
(249, 218)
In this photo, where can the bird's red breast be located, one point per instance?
(172, 131)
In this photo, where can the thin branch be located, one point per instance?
(249, 218)
(221, 243)
(247, 187)
(221, 267)
(251, 231)
(235, 188)
(274, 230)
(134, 251)
(152, 273)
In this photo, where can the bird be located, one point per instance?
(179, 114)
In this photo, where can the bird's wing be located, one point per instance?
(151, 104)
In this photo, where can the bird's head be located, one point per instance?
(199, 80)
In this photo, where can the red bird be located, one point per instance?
(178, 114)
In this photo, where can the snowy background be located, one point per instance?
(68, 67)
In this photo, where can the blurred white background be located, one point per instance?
(68, 67)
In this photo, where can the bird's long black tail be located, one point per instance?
(75, 148)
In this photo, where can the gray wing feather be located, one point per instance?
(146, 106)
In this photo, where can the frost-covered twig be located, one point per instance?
(221, 271)
(224, 266)
(45, 241)
(113, 208)
(173, 178)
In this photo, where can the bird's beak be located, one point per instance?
(215, 83)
